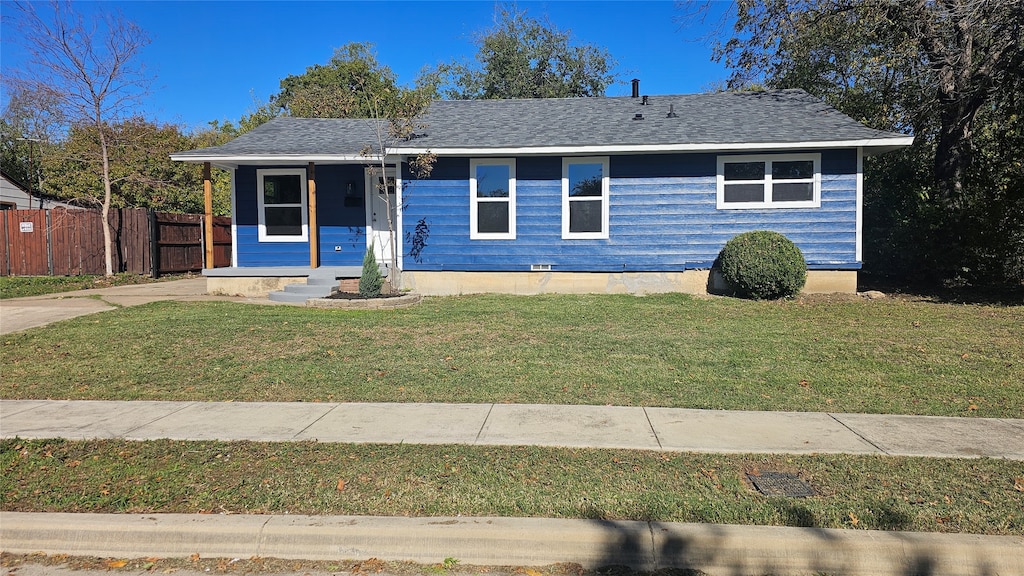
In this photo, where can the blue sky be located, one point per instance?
(210, 58)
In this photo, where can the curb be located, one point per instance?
(712, 548)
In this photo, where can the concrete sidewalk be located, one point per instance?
(713, 549)
(667, 429)
(17, 314)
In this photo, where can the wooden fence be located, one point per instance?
(62, 242)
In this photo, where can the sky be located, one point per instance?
(211, 59)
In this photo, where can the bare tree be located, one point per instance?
(390, 129)
(89, 69)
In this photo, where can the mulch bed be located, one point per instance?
(358, 296)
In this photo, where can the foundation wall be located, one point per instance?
(250, 286)
(688, 282)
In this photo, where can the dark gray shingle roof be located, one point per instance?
(701, 121)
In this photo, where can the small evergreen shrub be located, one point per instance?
(371, 281)
(762, 265)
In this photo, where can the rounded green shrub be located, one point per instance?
(762, 265)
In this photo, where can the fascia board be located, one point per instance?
(270, 159)
(885, 143)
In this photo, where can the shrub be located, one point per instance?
(371, 280)
(762, 265)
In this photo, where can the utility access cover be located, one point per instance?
(780, 484)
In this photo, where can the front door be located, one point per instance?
(381, 203)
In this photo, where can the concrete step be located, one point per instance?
(322, 280)
(282, 296)
(314, 290)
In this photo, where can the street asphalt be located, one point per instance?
(714, 549)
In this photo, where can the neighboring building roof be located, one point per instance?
(14, 193)
(713, 122)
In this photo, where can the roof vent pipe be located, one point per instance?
(644, 103)
(636, 87)
(671, 112)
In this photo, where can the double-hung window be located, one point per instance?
(585, 198)
(769, 181)
(492, 199)
(281, 194)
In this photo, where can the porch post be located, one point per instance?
(314, 237)
(208, 219)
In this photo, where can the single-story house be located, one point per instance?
(16, 196)
(622, 194)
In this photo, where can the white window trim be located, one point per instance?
(815, 202)
(474, 200)
(603, 234)
(262, 235)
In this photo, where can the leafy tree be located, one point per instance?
(28, 130)
(343, 88)
(259, 113)
(522, 57)
(88, 69)
(141, 172)
(949, 71)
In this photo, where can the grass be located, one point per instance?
(20, 286)
(888, 356)
(982, 496)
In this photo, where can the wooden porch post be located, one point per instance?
(208, 220)
(314, 237)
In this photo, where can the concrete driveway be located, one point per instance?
(17, 314)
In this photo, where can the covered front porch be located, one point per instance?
(307, 224)
(281, 283)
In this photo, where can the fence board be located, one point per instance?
(5, 251)
(70, 242)
(27, 231)
(221, 241)
(179, 242)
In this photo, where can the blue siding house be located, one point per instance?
(625, 194)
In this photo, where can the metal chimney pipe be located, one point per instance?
(636, 87)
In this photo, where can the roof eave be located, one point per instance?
(874, 145)
(231, 161)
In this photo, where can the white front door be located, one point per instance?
(381, 203)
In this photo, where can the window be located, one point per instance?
(585, 198)
(492, 199)
(771, 181)
(282, 205)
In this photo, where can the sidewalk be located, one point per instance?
(18, 314)
(713, 549)
(668, 429)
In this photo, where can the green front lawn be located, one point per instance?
(856, 492)
(888, 356)
(20, 286)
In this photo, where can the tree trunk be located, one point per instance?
(108, 252)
